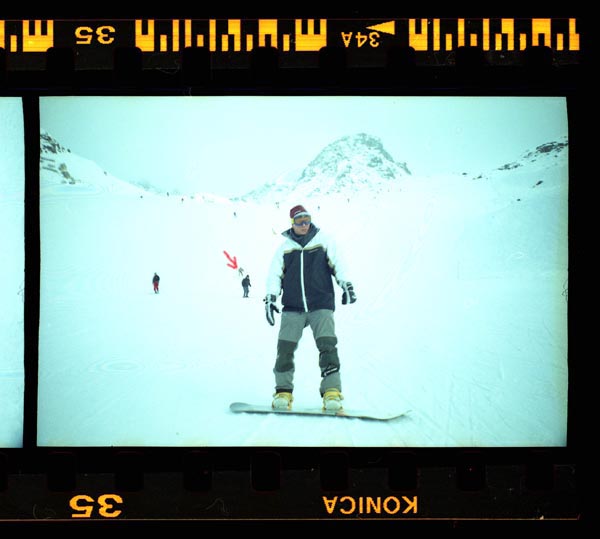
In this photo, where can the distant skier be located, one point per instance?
(155, 281)
(246, 285)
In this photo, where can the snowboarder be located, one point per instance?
(155, 281)
(246, 285)
(302, 270)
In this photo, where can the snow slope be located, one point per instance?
(461, 314)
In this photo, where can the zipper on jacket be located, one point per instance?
(302, 281)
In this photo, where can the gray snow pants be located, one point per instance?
(323, 328)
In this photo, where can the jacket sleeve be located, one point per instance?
(275, 274)
(337, 260)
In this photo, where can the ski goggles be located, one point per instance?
(304, 221)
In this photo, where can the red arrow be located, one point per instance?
(232, 261)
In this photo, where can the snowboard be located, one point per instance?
(239, 407)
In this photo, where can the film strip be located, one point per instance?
(298, 40)
(272, 484)
(453, 486)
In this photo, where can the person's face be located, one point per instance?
(301, 225)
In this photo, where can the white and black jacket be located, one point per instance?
(302, 268)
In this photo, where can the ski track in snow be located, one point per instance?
(446, 324)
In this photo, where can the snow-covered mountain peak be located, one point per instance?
(352, 162)
(347, 165)
(541, 156)
(62, 169)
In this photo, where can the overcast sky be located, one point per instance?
(231, 144)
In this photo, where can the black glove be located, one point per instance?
(348, 295)
(270, 306)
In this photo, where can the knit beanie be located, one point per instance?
(298, 211)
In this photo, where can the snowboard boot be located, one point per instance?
(282, 400)
(332, 399)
